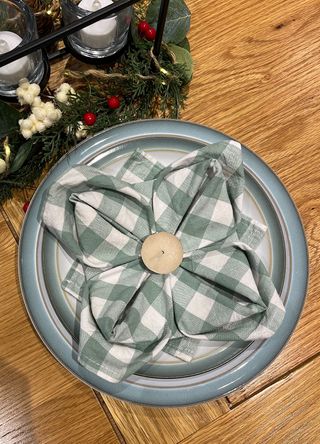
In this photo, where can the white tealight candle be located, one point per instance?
(99, 34)
(162, 252)
(17, 70)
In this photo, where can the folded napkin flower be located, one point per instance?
(220, 291)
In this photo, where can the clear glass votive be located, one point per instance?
(18, 27)
(101, 40)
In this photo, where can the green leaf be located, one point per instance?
(183, 57)
(22, 156)
(134, 32)
(9, 117)
(177, 23)
(185, 44)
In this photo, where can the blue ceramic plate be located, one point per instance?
(218, 367)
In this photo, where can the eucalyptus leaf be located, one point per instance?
(9, 118)
(185, 44)
(177, 23)
(183, 57)
(22, 156)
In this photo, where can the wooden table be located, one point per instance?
(257, 78)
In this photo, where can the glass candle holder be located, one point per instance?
(100, 41)
(18, 27)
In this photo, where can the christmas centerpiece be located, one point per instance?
(137, 86)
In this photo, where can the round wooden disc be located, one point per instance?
(162, 252)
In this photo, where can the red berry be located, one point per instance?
(150, 34)
(143, 27)
(26, 206)
(89, 118)
(113, 102)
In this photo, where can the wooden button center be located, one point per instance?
(162, 252)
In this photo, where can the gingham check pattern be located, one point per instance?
(221, 291)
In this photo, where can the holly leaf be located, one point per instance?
(9, 118)
(23, 154)
(182, 57)
(177, 23)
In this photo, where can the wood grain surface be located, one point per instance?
(256, 78)
(284, 413)
(154, 425)
(40, 401)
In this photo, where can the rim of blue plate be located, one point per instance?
(133, 391)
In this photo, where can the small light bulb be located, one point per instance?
(164, 71)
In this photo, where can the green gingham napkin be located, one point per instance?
(221, 291)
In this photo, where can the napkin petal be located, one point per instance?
(233, 296)
(209, 313)
(211, 218)
(121, 204)
(124, 320)
(275, 312)
(141, 166)
(216, 210)
(201, 189)
(175, 189)
(102, 243)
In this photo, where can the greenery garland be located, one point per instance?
(144, 87)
